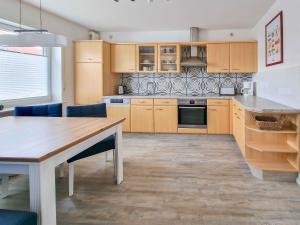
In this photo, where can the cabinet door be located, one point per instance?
(146, 58)
(123, 58)
(122, 111)
(88, 51)
(165, 119)
(142, 119)
(88, 83)
(218, 120)
(169, 58)
(243, 57)
(218, 58)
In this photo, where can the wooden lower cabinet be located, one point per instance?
(218, 120)
(165, 119)
(238, 126)
(117, 111)
(142, 119)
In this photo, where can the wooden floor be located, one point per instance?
(170, 180)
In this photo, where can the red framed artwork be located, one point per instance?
(274, 40)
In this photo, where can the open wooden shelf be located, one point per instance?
(293, 161)
(285, 131)
(283, 166)
(267, 147)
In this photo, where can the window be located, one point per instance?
(24, 74)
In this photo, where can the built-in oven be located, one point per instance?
(192, 113)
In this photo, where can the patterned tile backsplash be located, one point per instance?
(193, 81)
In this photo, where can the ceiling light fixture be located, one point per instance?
(149, 1)
(31, 37)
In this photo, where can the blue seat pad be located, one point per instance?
(102, 146)
(10, 217)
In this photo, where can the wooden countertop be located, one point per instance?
(35, 139)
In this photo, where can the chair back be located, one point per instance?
(97, 110)
(52, 110)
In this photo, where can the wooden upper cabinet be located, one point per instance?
(88, 51)
(88, 83)
(123, 58)
(168, 58)
(218, 57)
(243, 57)
(146, 58)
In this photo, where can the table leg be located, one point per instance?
(42, 192)
(118, 154)
(5, 183)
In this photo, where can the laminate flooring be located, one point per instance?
(169, 180)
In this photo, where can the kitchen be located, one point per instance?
(204, 112)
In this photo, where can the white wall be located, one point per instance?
(9, 10)
(281, 82)
(176, 36)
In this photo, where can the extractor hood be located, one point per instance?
(194, 60)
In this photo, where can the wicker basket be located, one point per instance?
(269, 123)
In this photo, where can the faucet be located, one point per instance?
(151, 86)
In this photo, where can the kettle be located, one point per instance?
(121, 90)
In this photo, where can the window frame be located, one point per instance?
(34, 100)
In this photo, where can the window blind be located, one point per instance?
(23, 76)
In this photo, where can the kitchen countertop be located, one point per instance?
(262, 105)
(168, 96)
(250, 103)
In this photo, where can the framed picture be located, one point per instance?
(274, 40)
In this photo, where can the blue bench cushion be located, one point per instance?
(9, 217)
(97, 110)
(103, 146)
(53, 110)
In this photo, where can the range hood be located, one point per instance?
(194, 60)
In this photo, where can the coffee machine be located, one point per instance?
(248, 88)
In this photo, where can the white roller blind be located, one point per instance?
(23, 76)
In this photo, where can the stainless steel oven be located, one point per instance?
(192, 113)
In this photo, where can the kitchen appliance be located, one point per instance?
(227, 91)
(194, 59)
(192, 113)
(121, 90)
(117, 101)
(248, 88)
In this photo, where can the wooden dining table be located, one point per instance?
(35, 146)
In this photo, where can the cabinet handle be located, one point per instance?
(213, 110)
(148, 109)
(159, 109)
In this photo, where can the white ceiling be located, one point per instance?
(107, 15)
